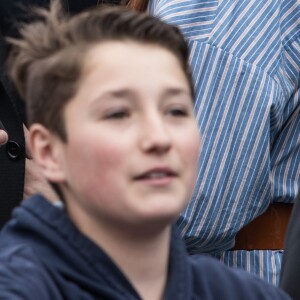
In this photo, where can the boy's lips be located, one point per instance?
(157, 176)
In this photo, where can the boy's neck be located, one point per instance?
(143, 258)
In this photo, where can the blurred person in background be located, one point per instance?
(245, 62)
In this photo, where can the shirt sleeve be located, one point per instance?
(285, 132)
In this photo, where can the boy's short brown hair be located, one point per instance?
(46, 62)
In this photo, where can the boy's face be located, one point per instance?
(133, 143)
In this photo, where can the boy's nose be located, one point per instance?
(155, 137)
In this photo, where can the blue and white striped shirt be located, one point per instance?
(245, 59)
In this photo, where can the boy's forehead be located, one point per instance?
(126, 51)
(129, 67)
(121, 46)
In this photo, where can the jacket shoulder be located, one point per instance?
(217, 281)
(22, 276)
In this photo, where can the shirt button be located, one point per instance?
(13, 149)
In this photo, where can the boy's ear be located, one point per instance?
(46, 150)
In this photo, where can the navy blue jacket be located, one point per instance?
(44, 257)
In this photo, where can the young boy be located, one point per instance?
(109, 99)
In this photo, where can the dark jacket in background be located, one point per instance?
(12, 156)
(12, 108)
(290, 270)
(44, 257)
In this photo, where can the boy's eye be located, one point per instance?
(117, 115)
(178, 112)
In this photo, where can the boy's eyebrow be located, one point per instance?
(127, 94)
(120, 93)
(176, 92)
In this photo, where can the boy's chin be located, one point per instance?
(158, 219)
(153, 225)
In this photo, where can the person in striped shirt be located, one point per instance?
(245, 59)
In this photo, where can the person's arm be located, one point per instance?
(34, 181)
(3, 135)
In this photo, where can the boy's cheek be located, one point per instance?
(191, 158)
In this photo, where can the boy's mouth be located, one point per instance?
(157, 174)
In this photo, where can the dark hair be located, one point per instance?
(138, 5)
(46, 62)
